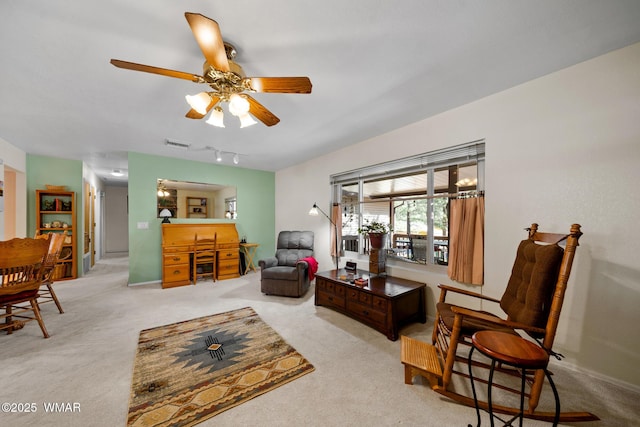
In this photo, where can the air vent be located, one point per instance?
(176, 144)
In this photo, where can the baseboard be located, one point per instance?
(152, 282)
(596, 375)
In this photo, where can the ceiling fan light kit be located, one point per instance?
(226, 78)
(216, 118)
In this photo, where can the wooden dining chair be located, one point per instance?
(46, 293)
(204, 258)
(21, 269)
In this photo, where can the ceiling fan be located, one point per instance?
(226, 79)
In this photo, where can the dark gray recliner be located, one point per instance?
(285, 274)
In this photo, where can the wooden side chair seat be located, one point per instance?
(532, 303)
(204, 258)
(21, 268)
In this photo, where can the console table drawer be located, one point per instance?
(176, 258)
(228, 267)
(228, 254)
(176, 273)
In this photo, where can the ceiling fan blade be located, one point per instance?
(207, 34)
(280, 84)
(261, 113)
(193, 114)
(156, 70)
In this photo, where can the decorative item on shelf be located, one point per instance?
(48, 205)
(376, 231)
(67, 240)
(56, 187)
(165, 214)
(66, 205)
(47, 225)
(56, 224)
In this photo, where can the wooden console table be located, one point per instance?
(384, 303)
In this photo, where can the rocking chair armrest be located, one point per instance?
(461, 311)
(445, 288)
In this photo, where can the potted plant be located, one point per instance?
(376, 231)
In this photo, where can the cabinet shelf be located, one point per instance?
(197, 207)
(57, 208)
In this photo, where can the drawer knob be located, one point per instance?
(176, 272)
(176, 258)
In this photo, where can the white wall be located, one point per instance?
(561, 149)
(16, 160)
(97, 186)
(116, 219)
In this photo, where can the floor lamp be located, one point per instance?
(314, 212)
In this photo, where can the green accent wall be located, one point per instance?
(43, 170)
(256, 207)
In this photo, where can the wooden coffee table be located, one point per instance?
(385, 303)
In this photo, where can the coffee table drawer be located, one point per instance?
(329, 299)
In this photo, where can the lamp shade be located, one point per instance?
(216, 118)
(246, 120)
(238, 105)
(166, 214)
(199, 102)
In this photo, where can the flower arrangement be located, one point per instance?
(374, 227)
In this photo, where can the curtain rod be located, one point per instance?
(471, 193)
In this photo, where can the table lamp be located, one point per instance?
(165, 214)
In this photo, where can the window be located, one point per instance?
(412, 196)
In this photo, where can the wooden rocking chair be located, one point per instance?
(532, 301)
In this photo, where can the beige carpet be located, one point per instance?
(190, 371)
(358, 378)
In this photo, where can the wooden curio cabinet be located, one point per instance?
(56, 213)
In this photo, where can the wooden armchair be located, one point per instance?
(21, 268)
(532, 303)
(204, 258)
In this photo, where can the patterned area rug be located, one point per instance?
(189, 371)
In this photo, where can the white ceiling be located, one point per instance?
(375, 66)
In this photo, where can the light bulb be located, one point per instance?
(236, 159)
(218, 156)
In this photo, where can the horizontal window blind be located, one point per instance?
(458, 154)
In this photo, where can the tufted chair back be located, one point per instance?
(293, 246)
(527, 298)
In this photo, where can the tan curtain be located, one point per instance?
(336, 217)
(466, 242)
